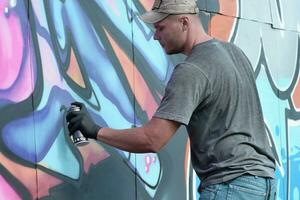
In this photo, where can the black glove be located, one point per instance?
(81, 120)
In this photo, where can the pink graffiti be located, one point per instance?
(11, 45)
(6, 191)
(149, 160)
(16, 77)
(296, 96)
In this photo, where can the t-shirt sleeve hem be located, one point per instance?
(171, 116)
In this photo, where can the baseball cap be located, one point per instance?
(162, 8)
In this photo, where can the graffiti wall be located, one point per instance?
(53, 52)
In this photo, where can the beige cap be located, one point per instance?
(162, 8)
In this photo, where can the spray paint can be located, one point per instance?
(78, 138)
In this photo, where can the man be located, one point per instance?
(212, 93)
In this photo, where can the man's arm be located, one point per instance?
(149, 138)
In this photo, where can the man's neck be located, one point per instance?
(196, 36)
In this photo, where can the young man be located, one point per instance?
(212, 93)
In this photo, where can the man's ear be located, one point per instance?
(185, 23)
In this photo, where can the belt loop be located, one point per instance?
(268, 182)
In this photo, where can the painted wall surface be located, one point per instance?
(53, 52)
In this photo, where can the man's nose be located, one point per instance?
(155, 37)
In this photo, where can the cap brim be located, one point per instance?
(152, 17)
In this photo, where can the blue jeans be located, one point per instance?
(246, 187)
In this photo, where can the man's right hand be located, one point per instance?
(81, 120)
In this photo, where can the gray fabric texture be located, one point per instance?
(213, 93)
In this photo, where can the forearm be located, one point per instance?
(132, 140)
(149, 138)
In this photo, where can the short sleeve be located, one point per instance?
(186, 89)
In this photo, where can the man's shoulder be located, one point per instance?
(187, 65)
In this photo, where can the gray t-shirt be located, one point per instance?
(213, 93)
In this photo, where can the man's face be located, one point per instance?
(169, 32)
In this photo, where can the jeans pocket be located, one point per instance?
(245, 188)
(249, 190)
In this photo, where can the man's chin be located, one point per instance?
(171, 52)
(168, 51)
